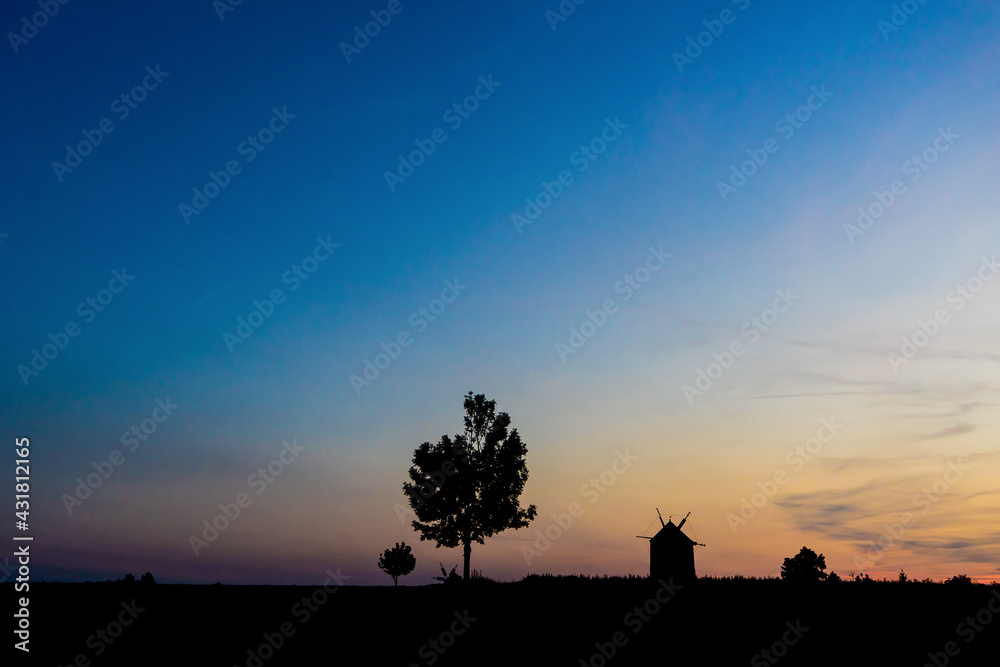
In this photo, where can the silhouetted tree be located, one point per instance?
(397, 562)
(129, 579)
(902, 578)
(467, 489)
(959, 579)
(147, 579)
(834, 578)
(805, 567)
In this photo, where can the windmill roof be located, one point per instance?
(670, 532)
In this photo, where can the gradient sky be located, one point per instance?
(904, 429)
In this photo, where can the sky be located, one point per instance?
(735, 259)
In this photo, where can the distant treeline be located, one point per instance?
(739, 578)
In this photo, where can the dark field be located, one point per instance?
(539, 621)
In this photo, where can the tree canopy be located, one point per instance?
(468, 488)
(397, 562)
(805, 567)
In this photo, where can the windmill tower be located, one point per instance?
(671, 552)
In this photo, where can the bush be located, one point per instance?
(397, 562)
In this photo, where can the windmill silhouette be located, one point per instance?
(671, 552)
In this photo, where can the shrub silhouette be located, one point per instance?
(397, 562)
(805, 567)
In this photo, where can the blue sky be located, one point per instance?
(889, 95)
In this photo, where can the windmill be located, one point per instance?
(671, 552)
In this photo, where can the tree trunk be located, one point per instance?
(468, 554)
